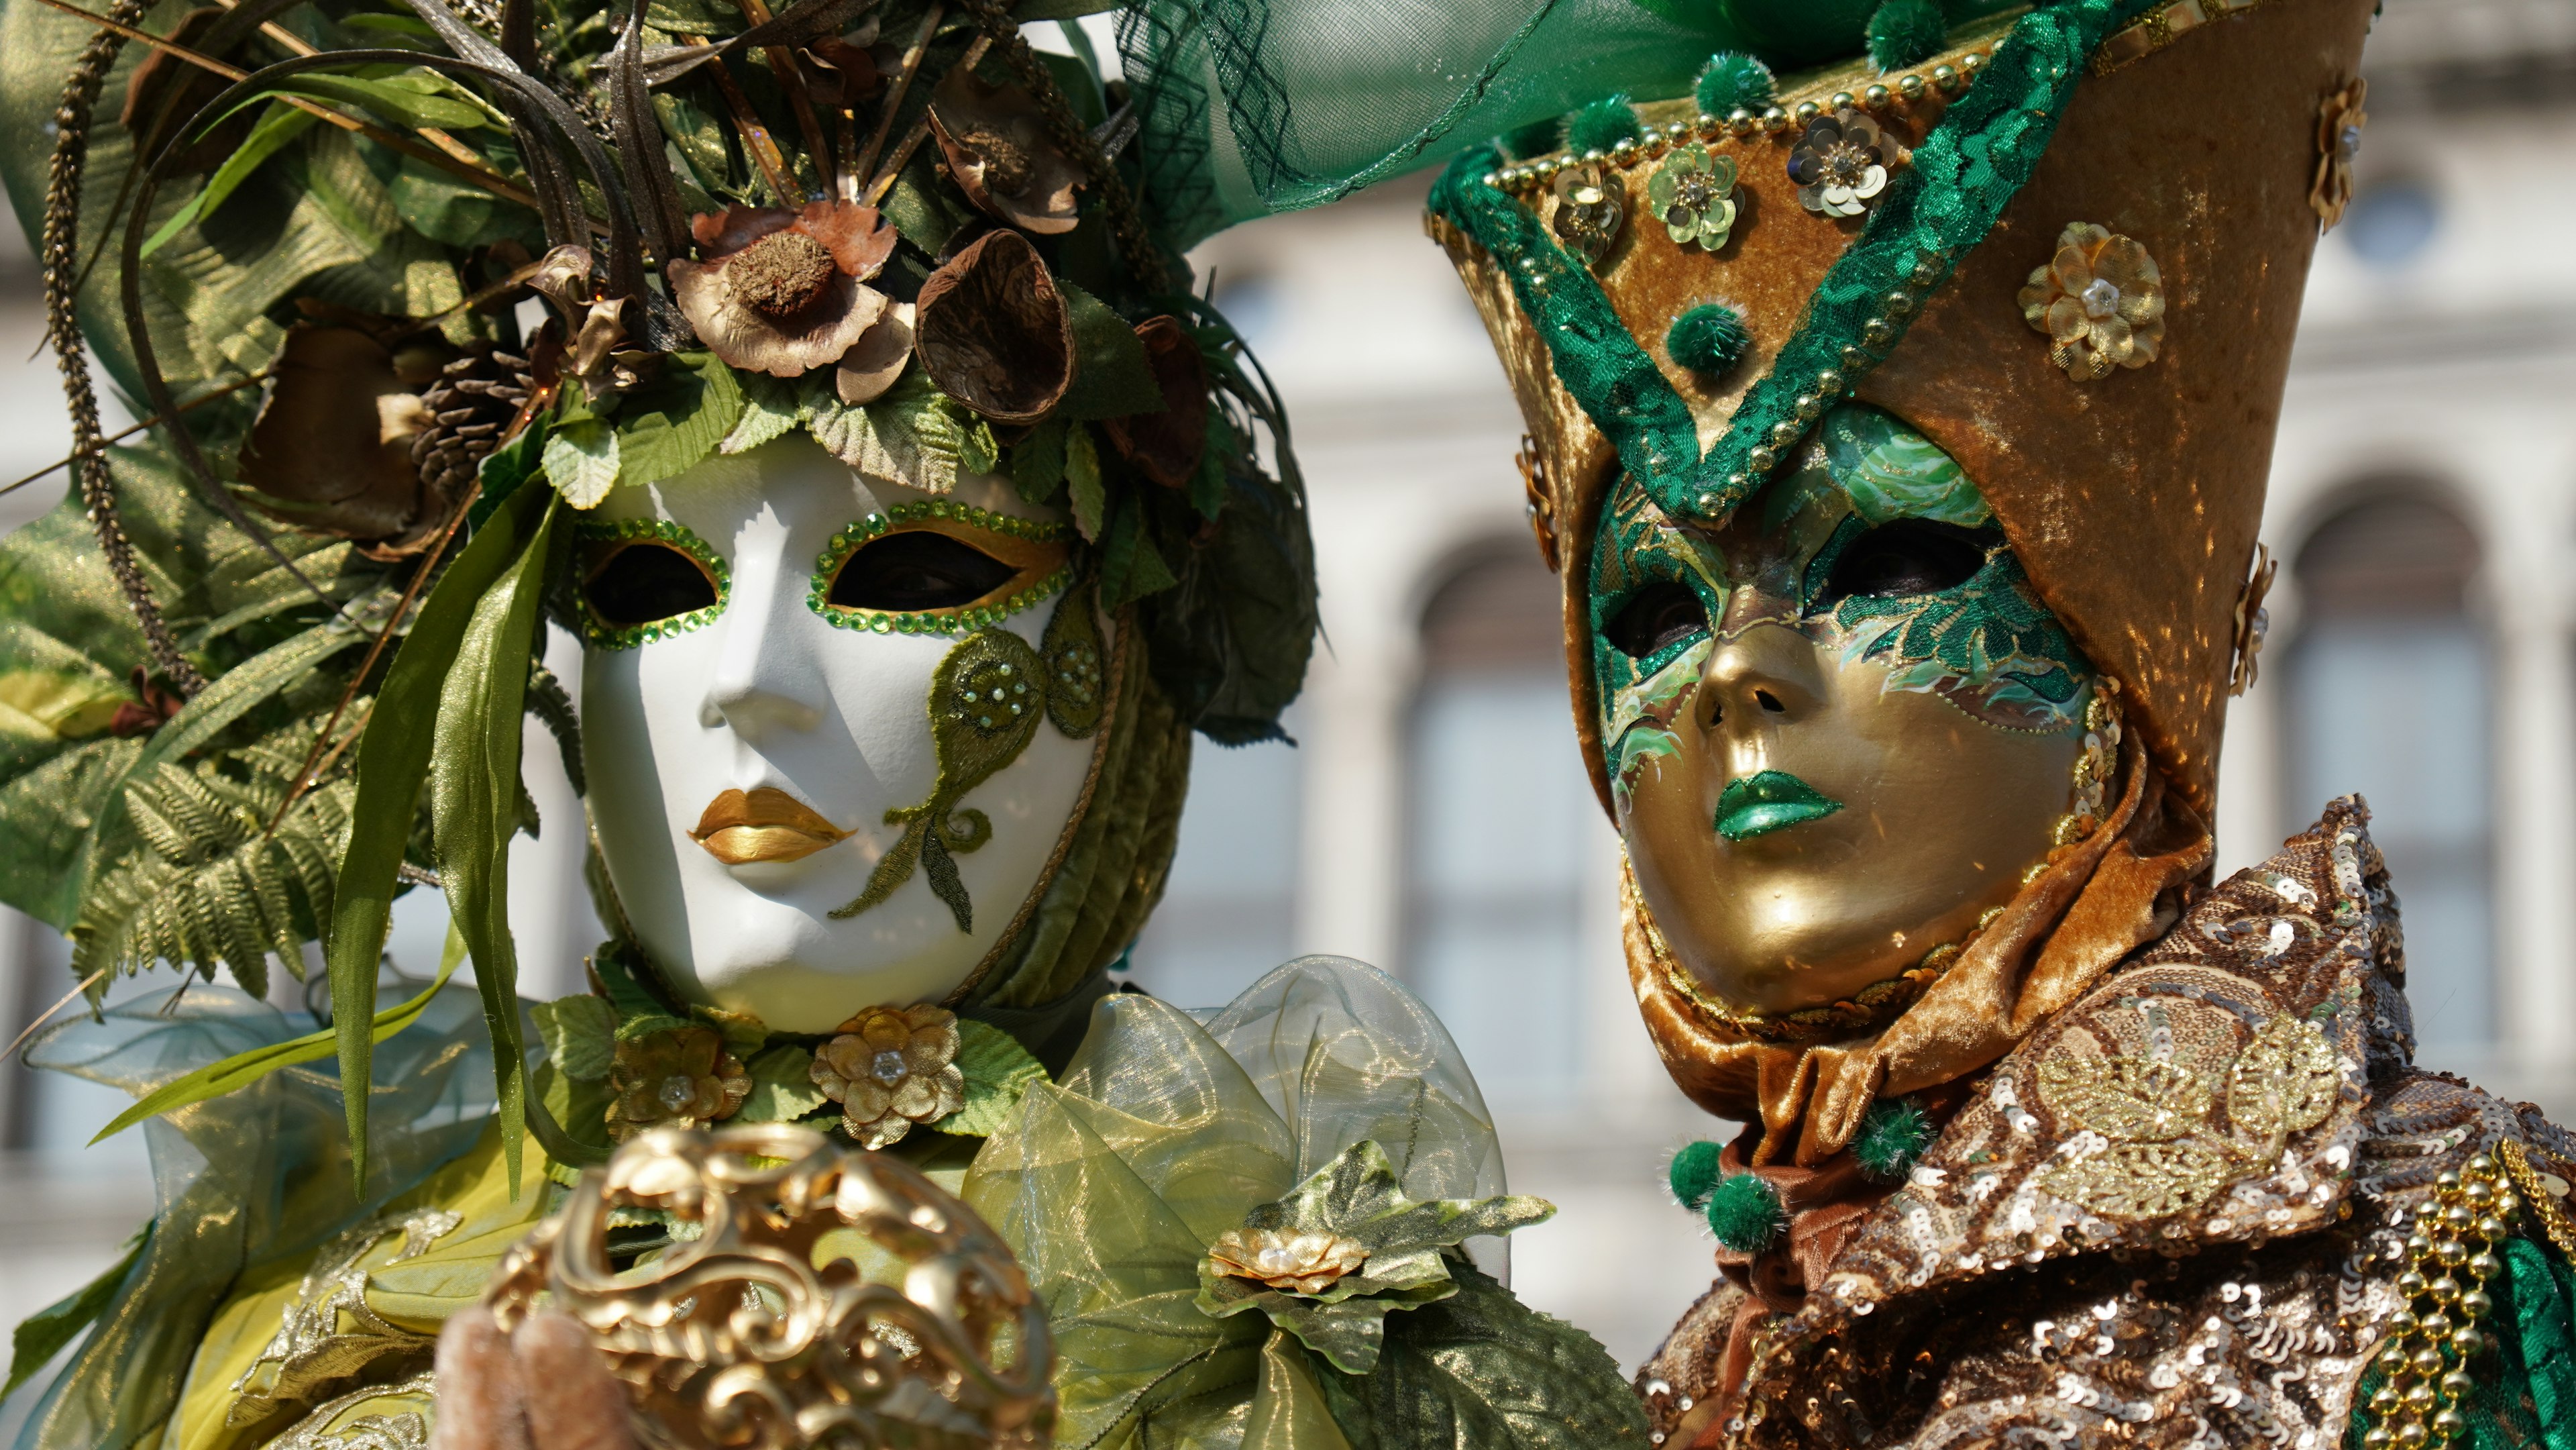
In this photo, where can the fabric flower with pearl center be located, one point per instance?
(2101, 302)
(1840, 165)
(892, 1067)
(681, 1078)
(784, 292)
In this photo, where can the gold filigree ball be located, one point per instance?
(808, 1295)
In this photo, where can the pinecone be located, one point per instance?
(474, 398)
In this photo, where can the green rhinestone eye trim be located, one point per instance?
(605, 635)
(940, 621)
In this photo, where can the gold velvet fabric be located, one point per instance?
(2092, 903)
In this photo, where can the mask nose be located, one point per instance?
(765, 680)
(1766, 677)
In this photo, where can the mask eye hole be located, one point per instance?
(1907, 556)
(641, 582)
(915, 570)
(1654, 618)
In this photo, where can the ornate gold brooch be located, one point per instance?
(811, 1294)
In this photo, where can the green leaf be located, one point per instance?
(393, 760)
(782, 1086)
(1082, 473)
(912, 435)
(1112, 377)
(403, 105)
(508, 466)
(1357, 1198)
(769, 411)
(666, 428)
(583, 461)
(1037, 461)
(244, 1068)
(1482, 1368)
(474, 802)
(998, 1072)
(1130, 566)
(282, 124)
(42, 1335)
(580, 1034)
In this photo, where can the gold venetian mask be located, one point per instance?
(1841, 728)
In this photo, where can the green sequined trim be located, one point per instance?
(936, 621)
(604, 635)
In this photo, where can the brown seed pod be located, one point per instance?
(331, 450)
(993, 331)
(1166, 446)
(994, 140)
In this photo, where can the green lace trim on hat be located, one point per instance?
(1967, 170)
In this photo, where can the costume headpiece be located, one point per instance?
(486, 262)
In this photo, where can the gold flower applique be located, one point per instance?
(890, 1068)
(2339, 122)
(2165, 1152)
(2101, 302)
(1591, 206)
(1302, 1263)
(682, 1078)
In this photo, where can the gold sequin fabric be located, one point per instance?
(2172, 1217)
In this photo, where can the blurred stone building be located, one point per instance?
(1432, 816)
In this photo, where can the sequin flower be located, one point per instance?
(1694, 196)
(784, 292)
(1840, 164)
(1301, 1263)
(890, 1068)
(2101, 302)
(1591, 205)
(682, 1078)
(2339, 123)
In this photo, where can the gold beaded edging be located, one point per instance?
(2159, 28)
(2424, 1361)
(1772, 123)
(932, 621)
(605, 635)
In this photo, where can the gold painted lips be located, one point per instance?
(764, 825)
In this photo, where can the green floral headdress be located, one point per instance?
(402, 286)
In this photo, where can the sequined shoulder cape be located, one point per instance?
(2212, 1204)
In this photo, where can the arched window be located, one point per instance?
(1503, 830)
(2390, 683)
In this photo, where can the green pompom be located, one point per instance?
(1893, 1134)
(1538, 138)
(1906, 32)
(1745, 1213)
(1694, 1174)
(1602, 125)
(1709, 338)
(1734, 81)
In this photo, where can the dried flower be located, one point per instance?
(331, 449)
(679, 1078)
(1591, 206)
(993, 330)
(874, 362)
(2100, 301)
(995, 141)
(2339, 122)
(1840, 164)
(1694, 195)
(1301, 1263)
(890, 1068)
(1167, 446)
(781, 292)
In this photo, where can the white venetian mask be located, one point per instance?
(766, 633)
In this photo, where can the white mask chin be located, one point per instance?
(768, 695)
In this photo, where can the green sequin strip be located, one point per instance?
(875, 526)
(1976, 158)
(606, 635)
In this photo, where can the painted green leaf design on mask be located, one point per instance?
(986, 699)
(1357, 1198)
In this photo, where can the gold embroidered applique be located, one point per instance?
(2165, 1152)
(408, 1430)
(311, 1348)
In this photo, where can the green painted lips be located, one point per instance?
(1754, 805)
